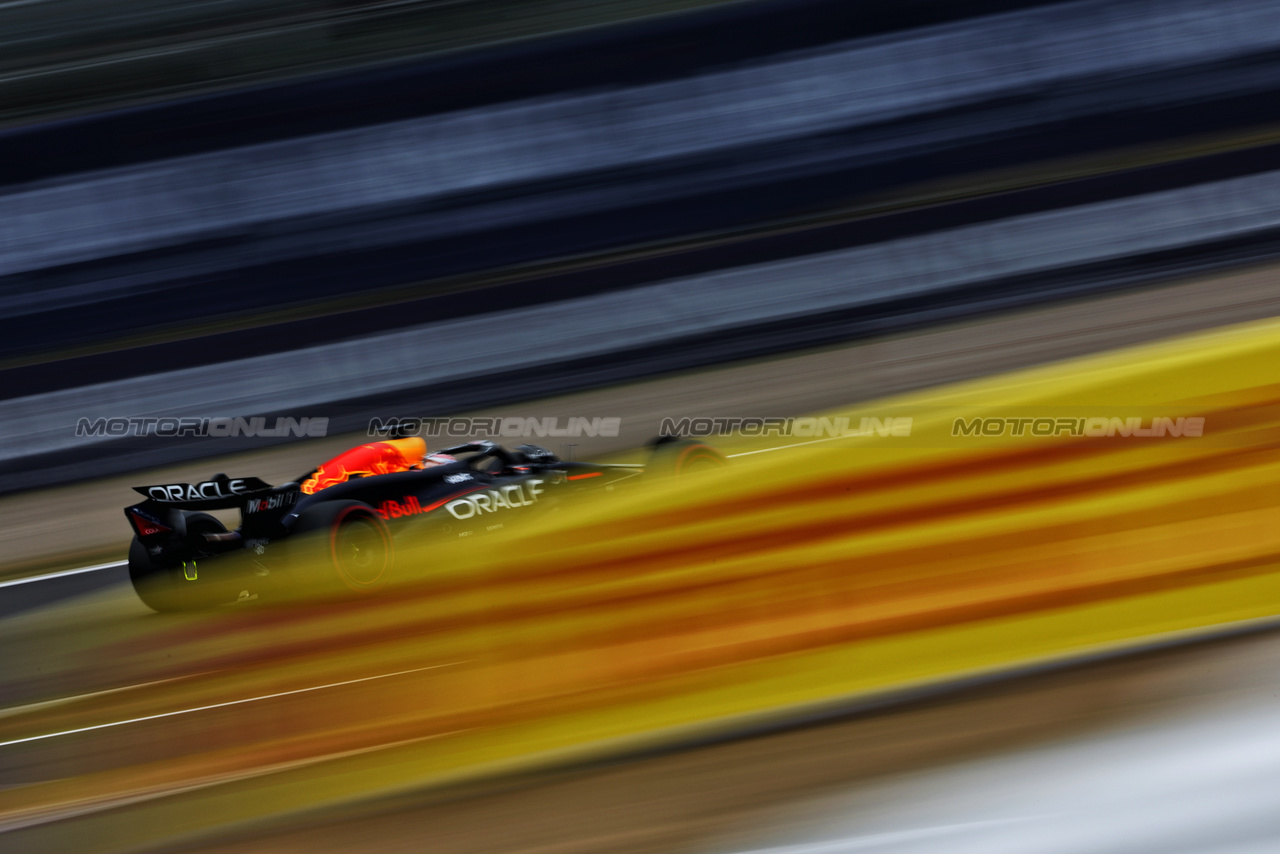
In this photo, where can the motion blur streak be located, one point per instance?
(879, 840)
(791, 581)
(1202, 779)
(214, 706)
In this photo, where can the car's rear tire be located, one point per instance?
(175, 585)
(346, 548)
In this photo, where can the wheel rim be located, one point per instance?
(360, 552)
(698, 460)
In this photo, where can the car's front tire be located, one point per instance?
(681, 458)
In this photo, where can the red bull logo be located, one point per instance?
(409, 506)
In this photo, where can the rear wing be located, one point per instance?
(160, 516)
(221, 492)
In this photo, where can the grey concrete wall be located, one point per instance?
(97, 215)
(602, 325)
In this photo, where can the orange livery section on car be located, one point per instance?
(392, 455)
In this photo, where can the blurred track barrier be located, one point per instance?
(59, 56)
(944, 274)
(814, 577)
(280, 198)
(340, 219)
(457, 163)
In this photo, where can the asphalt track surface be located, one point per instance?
(1171, 750)
(1000, 768)
(1162, 753)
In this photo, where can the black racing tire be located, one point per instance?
(681, 458)
(697, 458)
(164, 587)
(345, 546)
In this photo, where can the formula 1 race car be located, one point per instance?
(353, 510)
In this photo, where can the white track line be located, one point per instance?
(62, 701)
(64, 811)
(220, 705)
(787, 447)
(62, 573)
(877, 840)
